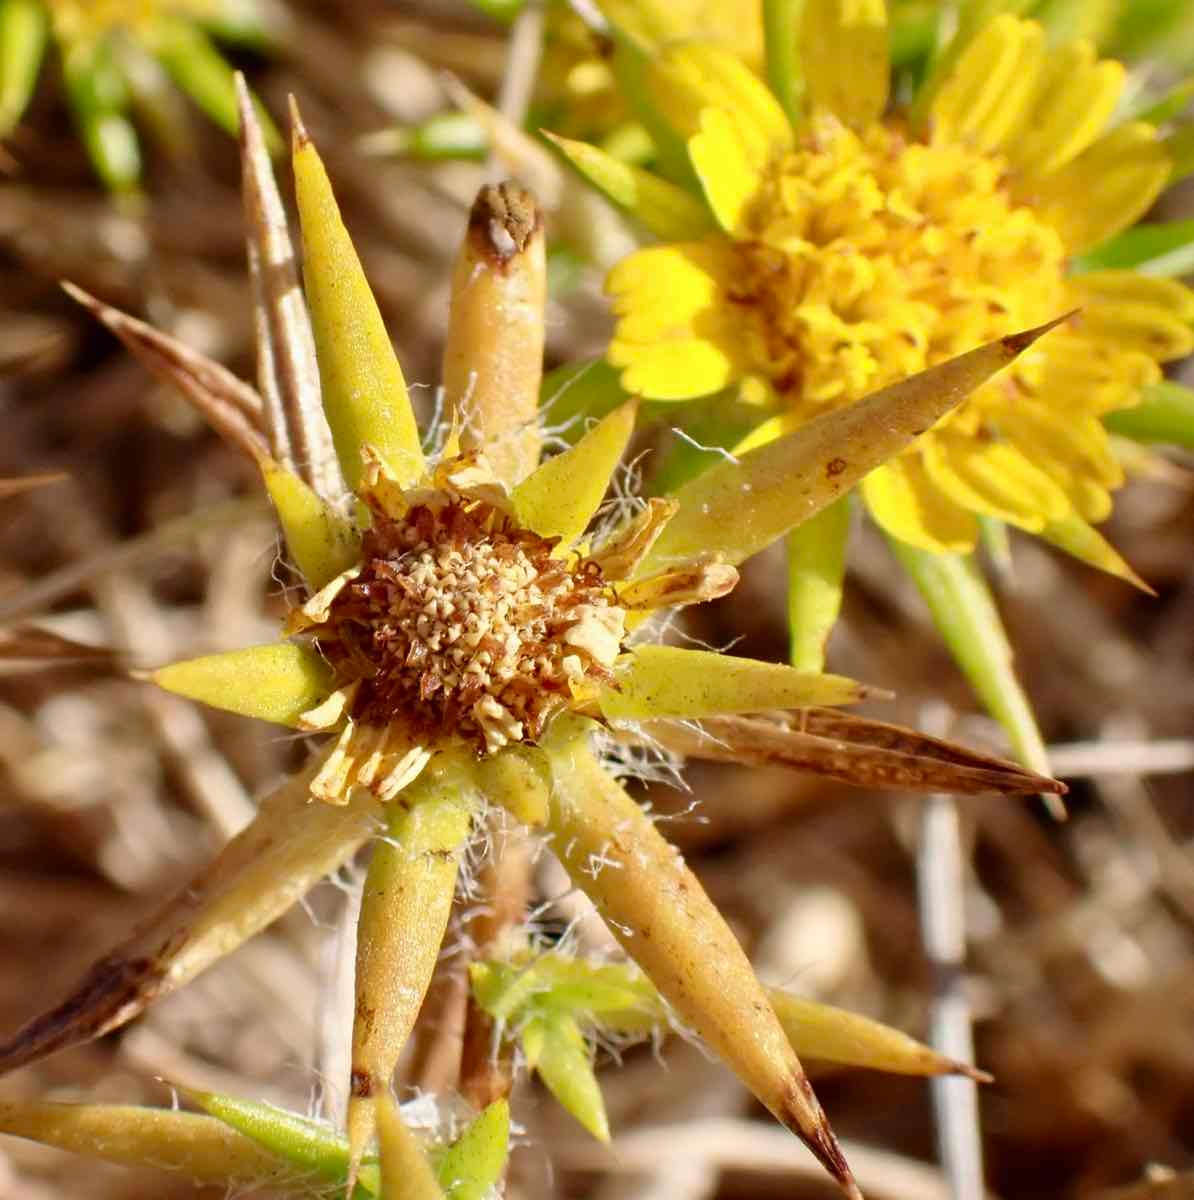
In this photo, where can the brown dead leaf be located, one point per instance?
(850, 749)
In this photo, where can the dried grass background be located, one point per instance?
(1080, 972)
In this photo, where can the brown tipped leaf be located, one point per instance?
(851, 749)
(287, 373)
(659, 912)
(493, 357)
(230, 406)
(290, 845)
(741, 505)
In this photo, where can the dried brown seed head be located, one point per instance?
(461, 623)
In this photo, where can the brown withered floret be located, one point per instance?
(465, 624)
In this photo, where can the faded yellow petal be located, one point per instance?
(905, 502)
(619, 555)
(992, 84)
(277, 682)
(668, 211)
(994, 478)
(322, 541)
(844, 54)
(695, 584)
(1074, 100)
(687, 77)
(364, 393)
(671, 681)
(1106, 188)
(561, 496)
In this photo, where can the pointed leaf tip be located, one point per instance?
(1014, 344)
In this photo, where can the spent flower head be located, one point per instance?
(473, 620)
(842, 238)
(119, 53)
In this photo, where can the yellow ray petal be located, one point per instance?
(1074, 100)
(404, 912)
(1071, 446)
(1107, 187)
(729, 167)
(670, 681)
(668, 211)
(681, 368)
(994, 478)
(276, 682)
(1149, 328)
(659, 912)
(322, 541)
(288, 847)
(1076, 537)
(364, 393)
(687, 77)
(992, 84)
(1111, 286)
(844, 53)
(736, 508)
(903, 500)
(667, 290)
(835, 1035)
(561, 496)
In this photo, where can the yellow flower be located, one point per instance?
(115, 51)
(467, 632)
(856, 242)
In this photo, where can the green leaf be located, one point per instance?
(559, 498)
(1180, 147)
(450, 136)
(576, 391)
(556, 1050)
(473, 1165)
(672, 681)
(364, 393)
(1165, 414)
(1163, 248)
(203, 73)
(406, 1172)
(964, 611)
(98, 99)
(816, 570)
(1172, 104)
(276, 682)
(667, 211)
(198, 1147)
(781, 38)
(322, 541)
(22, 47)
(307, 1145)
